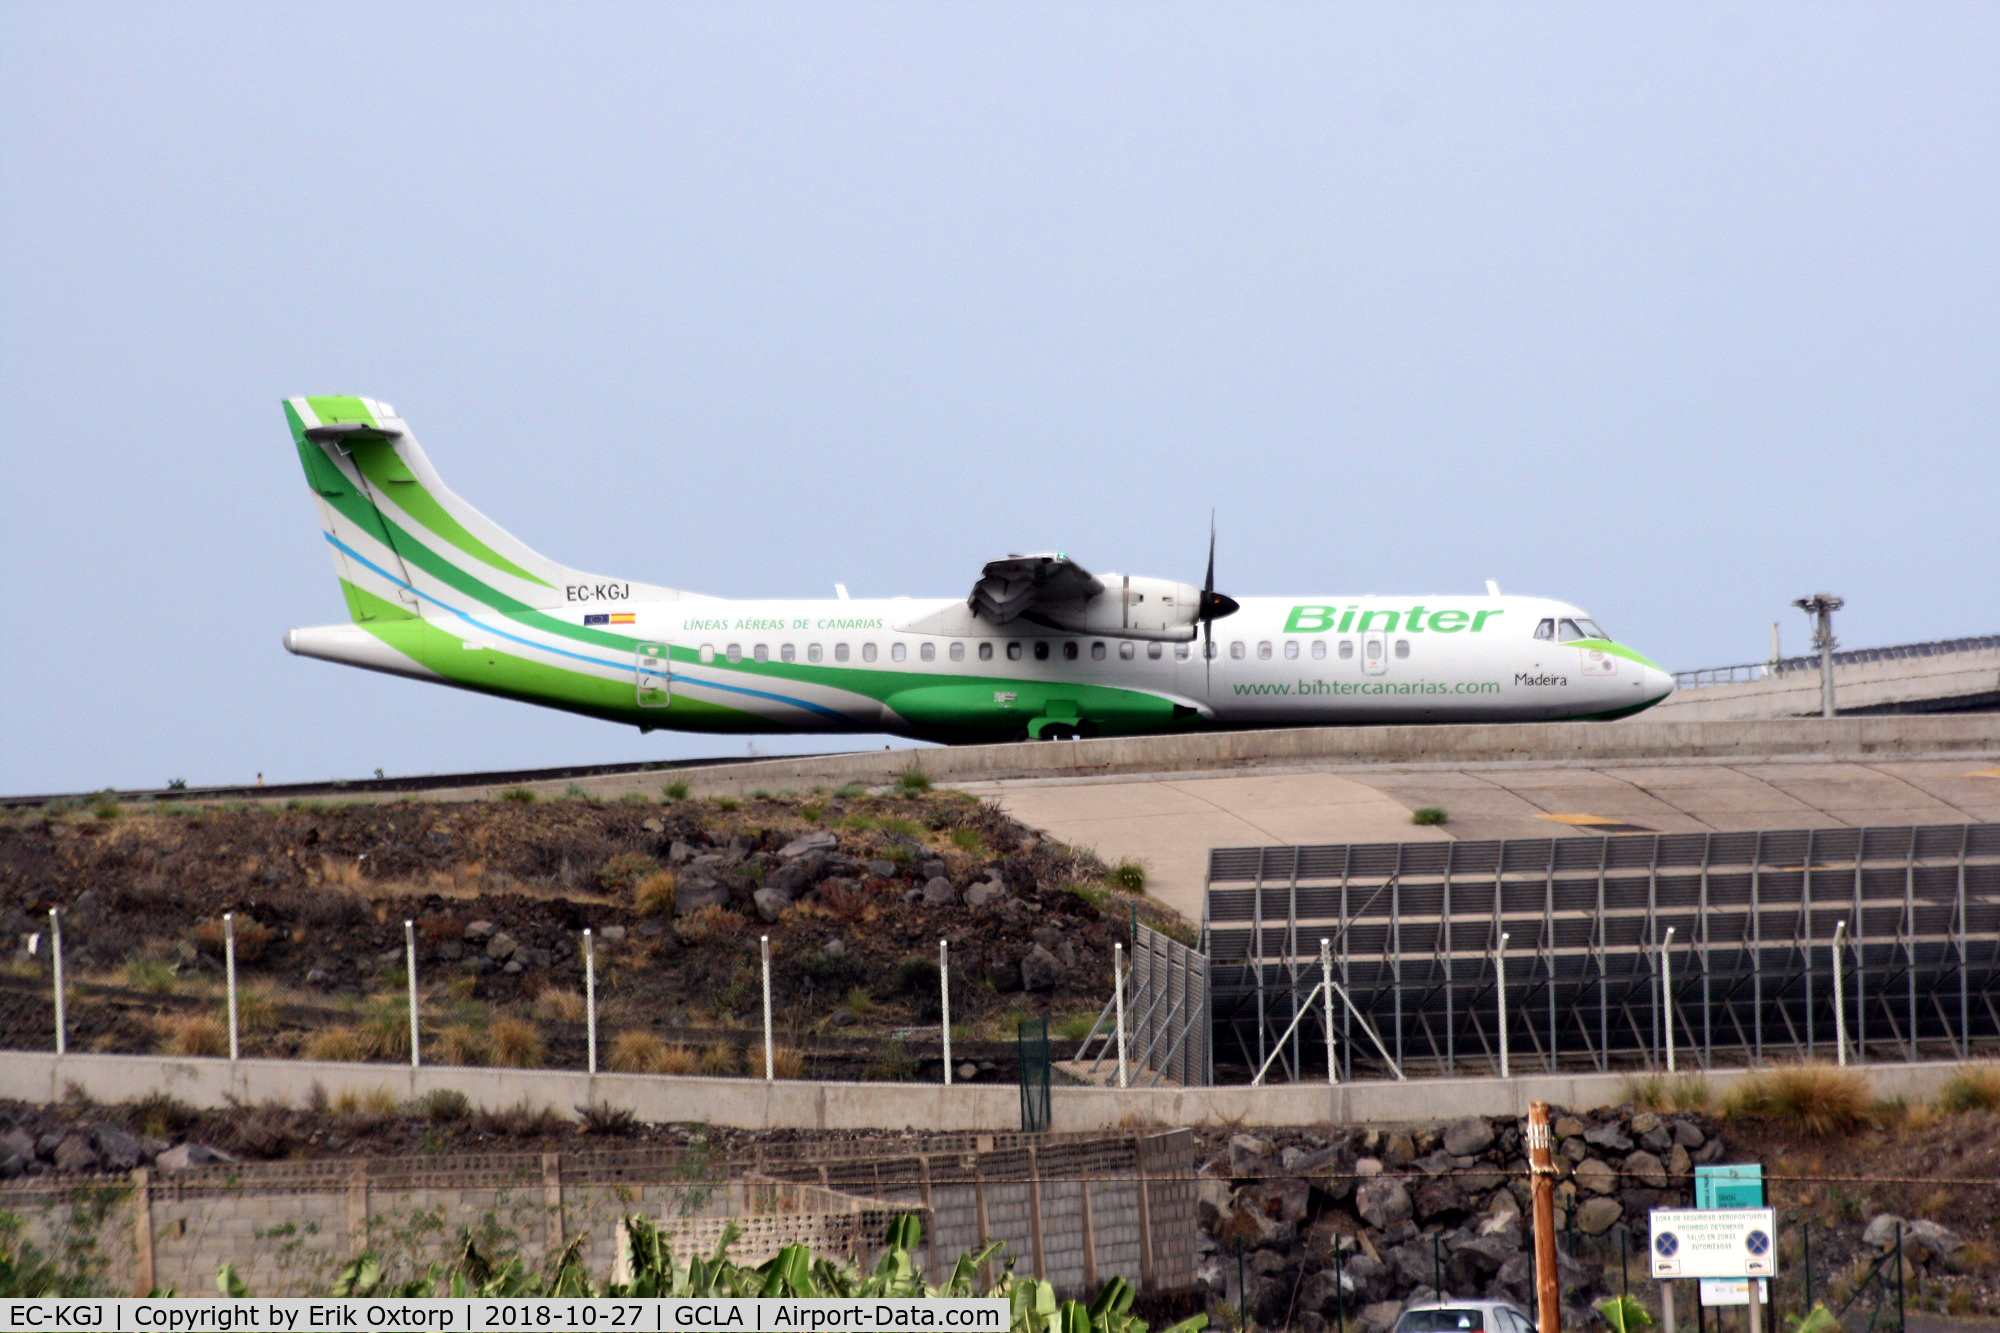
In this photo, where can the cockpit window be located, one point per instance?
(1567, 632)
(1546, 630)
(1590, 629)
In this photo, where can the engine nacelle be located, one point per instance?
(1131, 607)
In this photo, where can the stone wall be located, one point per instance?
(1438, 1209)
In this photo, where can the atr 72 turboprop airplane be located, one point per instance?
(1040, 649)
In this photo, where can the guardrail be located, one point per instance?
(1751, 672)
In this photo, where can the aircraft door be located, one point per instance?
(653, 676)
(1375, 654)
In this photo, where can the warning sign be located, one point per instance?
(1714, 1242)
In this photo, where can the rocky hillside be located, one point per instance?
(854, 888)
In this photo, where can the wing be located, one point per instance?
(1031, 585)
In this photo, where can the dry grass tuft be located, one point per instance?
(1972, 1088)
(718, 1060)
(709, 923)
(516, 1043)
(636, 1053)
(193, 1034)
(342, 1045)
(1660, 1092)
(555, 1005)
(385, 1029)
(252, 938)
(462, 1044)
(1816, 1099)
(653, 895)
(786, 1062)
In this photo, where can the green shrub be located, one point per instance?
(1128, 875)
(521, 795)
(676, 790)
(893, 1063)
(1429, 814)
(913, 779)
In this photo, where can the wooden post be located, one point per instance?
(1035, 1214)
(930, 1209)
(552, 1202)
(1542, 1170)
(1147, 1271)
(985, 1225)
(357, 1208)
(143, 1280)
(1089, 1240)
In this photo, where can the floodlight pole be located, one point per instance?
(1821, 606)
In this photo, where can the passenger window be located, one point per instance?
(898, 651)
(1013, 652)
(1291, 648)
(929, 652)
(812, 652)
(1546, 630)
(1097, 652)
(986, 652)
(1069, 651)
(1041, 650)
(1128, 650)
(1374, 650)
(840, 652)
(867, 652)
(1347, 650)
(1319, 649)
(1402, 647)
(1213, 650)
(708, 652)
(1264, 651)
(958, 652)
(788, 653)
(1154, 651)
(1567, 632)
(761, 653)
(1236, 651)
(735, 653)
(1182, 651)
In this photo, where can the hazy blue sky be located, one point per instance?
(1678, 312)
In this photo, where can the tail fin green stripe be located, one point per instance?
(333, 487)
(379, 463)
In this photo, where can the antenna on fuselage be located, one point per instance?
(1492, 588)
(840, 591)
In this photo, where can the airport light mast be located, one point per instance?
(1821, 606)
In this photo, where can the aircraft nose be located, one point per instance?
(1659, 684)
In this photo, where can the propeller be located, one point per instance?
(1213, 606)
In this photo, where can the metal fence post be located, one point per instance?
(55, 957)
(944, 1004)
(1500, 991)
(1118, 1005)
(410, 966)
(229, 972)
(1839, 997)
(590, 997)
(1326, 1009)
(1667, 993)
(770, 1062)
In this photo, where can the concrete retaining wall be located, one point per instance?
(1578, 743)
(747, 1104)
